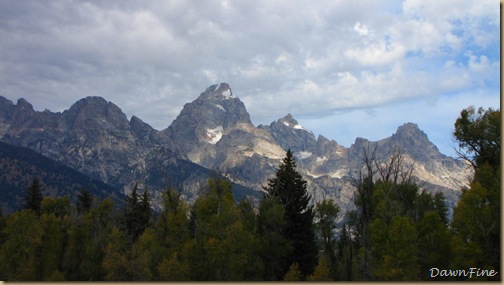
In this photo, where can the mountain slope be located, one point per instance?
(213, 133)
(95, 137)
(19, 165)
(251, 154)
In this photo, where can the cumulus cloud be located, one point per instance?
(313, 59)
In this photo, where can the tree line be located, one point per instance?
(396, 231)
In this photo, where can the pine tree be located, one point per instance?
(274, 248)
(84, 201)
(136, 215)
(289, 187)
(33, 198)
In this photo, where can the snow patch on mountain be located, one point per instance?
(299, 127)
(227, 94)
(304, 154)
(320, 159)
(296, 126)
(220, 107)
(215, 134)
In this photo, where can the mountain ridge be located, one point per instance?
(213, 131)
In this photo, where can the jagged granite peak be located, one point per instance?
(96, 113)
(204, 121)
(5, 104)
(145, 134)
(218, 91)
(289, 134)
(411, 133)
(24, 117)
(22, 104)
(23, 111)
(6, 111)
(410, 138)
(138, 125)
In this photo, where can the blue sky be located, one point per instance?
(343, 69)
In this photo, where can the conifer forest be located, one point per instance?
(396, 231)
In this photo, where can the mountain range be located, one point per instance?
(212, 135)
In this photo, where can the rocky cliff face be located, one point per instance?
(251, 154)
(93, 136)
(214, 132)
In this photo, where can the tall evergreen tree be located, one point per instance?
(274, 248)
(136, 215)
(33, 198)
(84, 201)
(289, 187)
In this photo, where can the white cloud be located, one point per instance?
(313, 59)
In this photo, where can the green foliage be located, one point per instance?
(477, 231)
(59, 206)
(33, 198)
(322, 271)
(397, 232)
(136, 215)
(115, 261)
(223, 249)
(478, 136)
(346, 267)
(397, 260)
(294, 273)
(326, 213)
(84, 201)
(476, 217)
(144, 259)
(87, 239)
(174, 268)
(434, 244)
(51, 250)
(274, 248)
(289, 188)
(19, 254)
(172, 225)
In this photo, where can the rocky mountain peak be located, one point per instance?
(204, 121)
(6, 108)
(22, 104)
(411, 136)
(289, 121)
(218, 91)
(95, 112)
(289, 134)
(22, 114)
